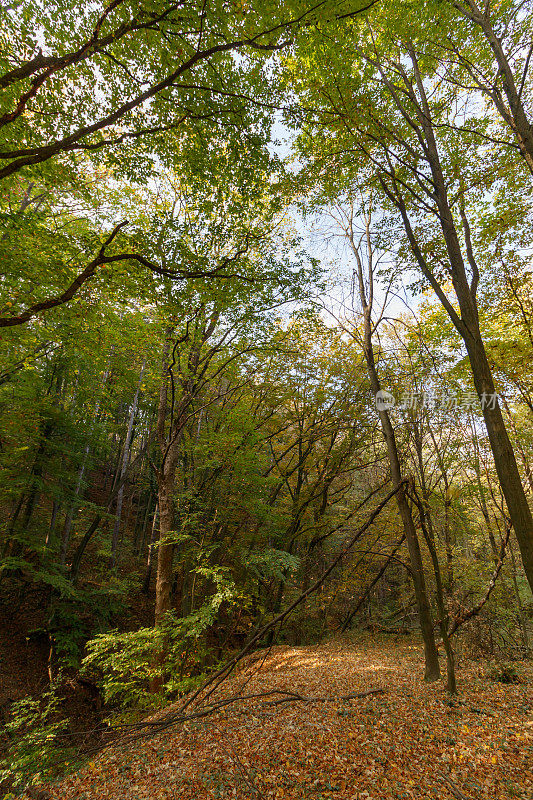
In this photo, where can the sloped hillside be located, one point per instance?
(407, 741)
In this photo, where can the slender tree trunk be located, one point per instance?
(8, 543)
(448, 543)
(432, 669)
(125, 462)
(426, 523)
(151, 548)
(366, 294)
(67, 527)
(521, 616)
(114, 472)
(80, 549)
(141, 525)
(109, 471)
(56, 510)
(35, 491)
(483, 503)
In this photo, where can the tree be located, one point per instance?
(400, 140)
(363, 251)
(492, 50)
(168, 83)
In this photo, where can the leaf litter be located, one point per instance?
(410, 740)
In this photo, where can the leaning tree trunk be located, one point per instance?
(500, 444)
(468, 326)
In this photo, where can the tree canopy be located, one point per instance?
(266, 326)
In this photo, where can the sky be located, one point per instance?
(322, 241)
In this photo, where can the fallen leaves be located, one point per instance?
(411, 742)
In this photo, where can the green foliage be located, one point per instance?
(268, 420)
(504, 673)
(174, 655)
(73, 619)
(271, 563)
(126, 665)
(36, 751)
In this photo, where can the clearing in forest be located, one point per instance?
(410, 741)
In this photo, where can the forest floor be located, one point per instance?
(410, 741)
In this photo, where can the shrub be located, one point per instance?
(35, 752)
(504, 673)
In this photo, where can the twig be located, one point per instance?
(294, 696)
(452, 787)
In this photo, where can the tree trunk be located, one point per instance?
(504, 457)
(151, 547)
(366, 294)
(125, 461)
(467, 325)
(67, 527)
(432, 668)
(165, 552)
(521, 616)
(514, 112)
(426, 523)
(140, 526)
(56, 510)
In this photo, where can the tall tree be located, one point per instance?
(364, 253)
(385, 120)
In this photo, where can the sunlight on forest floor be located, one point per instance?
(409, 742)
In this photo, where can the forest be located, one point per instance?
(266, 399)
